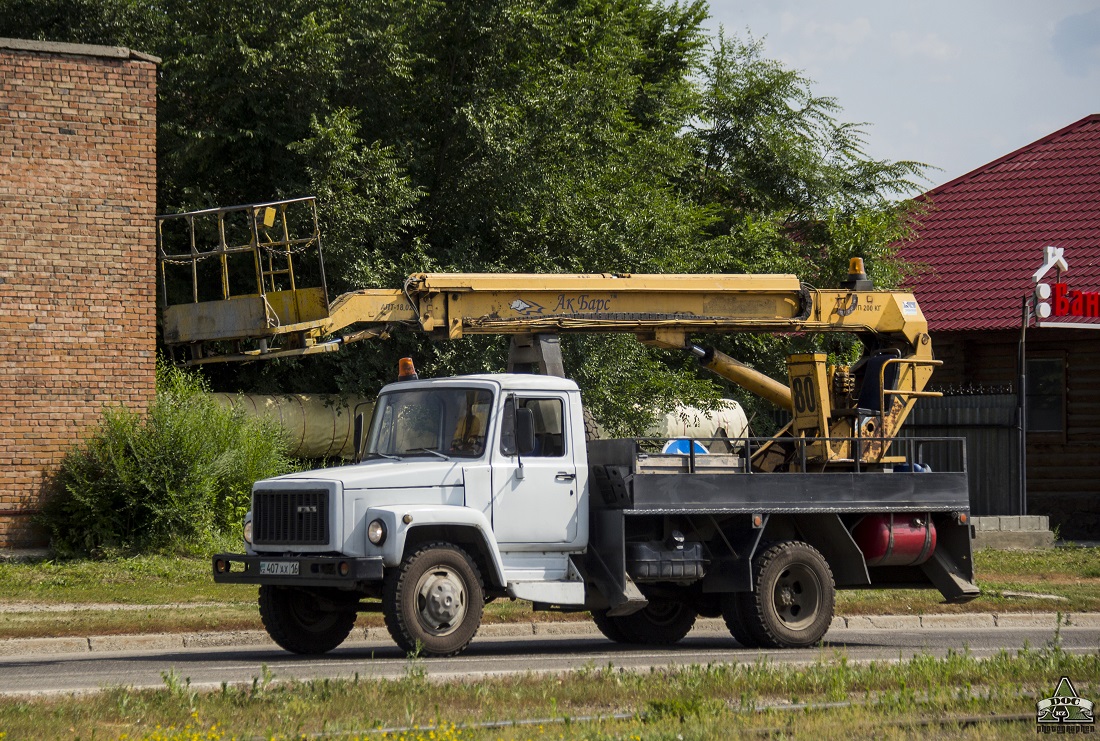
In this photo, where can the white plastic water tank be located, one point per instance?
(685, 421)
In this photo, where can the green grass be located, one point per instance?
(1072, 562)
(882, 699)
(81, 623)
(142, 580)
(155, 580)
(1070, 573)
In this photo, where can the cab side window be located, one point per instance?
(549, 417)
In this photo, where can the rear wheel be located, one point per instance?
(731, 613)
(434, 600)
(306, 622)
(792, 604)
(661, 622)
(609, 626)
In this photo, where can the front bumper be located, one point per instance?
(316, 571)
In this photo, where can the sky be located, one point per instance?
(954, 84)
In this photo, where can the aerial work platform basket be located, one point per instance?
(230, 274)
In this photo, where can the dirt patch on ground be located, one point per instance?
(1040, 579)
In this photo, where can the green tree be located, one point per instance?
(790, 190)
(110, 22)
(240, 82)
(507, 135)
(789, 185)
(516, 137)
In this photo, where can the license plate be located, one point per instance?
(278, 568)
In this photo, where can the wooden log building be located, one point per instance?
(1024, 229)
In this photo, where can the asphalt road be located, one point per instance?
(209, 667)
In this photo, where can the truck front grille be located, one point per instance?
(290, 517)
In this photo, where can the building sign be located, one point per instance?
(1055, 301)
(1068, 302)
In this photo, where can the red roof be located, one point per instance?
(983, 238)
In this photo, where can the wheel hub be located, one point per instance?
(441, 599)
(796, 597)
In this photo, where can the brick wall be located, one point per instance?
(77, 255)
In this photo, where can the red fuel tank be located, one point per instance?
(895, 539)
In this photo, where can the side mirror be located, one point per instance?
(525, 431)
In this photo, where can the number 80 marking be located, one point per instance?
(805, 400)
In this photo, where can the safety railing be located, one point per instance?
(695, 454)
(269, 236)
(912, 393)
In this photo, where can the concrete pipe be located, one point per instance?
(318, 426)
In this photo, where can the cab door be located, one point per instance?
(539, 505)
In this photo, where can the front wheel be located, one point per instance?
(433, 601)
(792, 605)
(302, 622)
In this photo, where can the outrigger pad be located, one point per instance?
(947, 577)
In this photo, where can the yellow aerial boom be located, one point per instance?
(283, 310)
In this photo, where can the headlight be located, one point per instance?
(376, 532)
(248, 531)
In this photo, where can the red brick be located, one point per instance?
(77, 272)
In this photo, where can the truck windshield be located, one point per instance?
(439, 422)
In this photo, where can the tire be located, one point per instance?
(660, 623)
(735, 623)
(296, 620)
(792, 605)
(433, 601)
(609, 626)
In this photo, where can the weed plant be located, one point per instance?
(176, 479)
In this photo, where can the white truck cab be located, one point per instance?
(495, 464)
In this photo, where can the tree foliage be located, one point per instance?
(507, 135)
